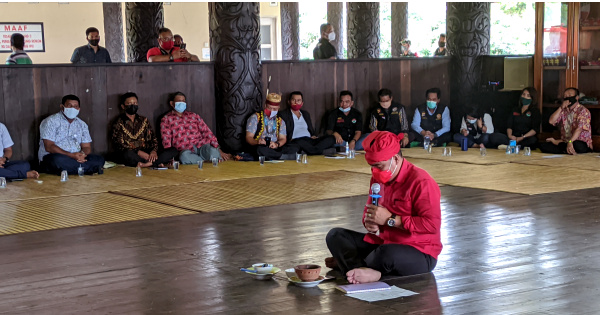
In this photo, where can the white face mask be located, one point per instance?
(331, 36)
(273, 114)
(471, 121)
(70, 112)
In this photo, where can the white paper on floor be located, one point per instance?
(552, 156)
(374, 296)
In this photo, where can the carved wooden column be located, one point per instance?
(290, 30)
(143, 20)
(363, 30)
(113, 30)
(468, 38)
(399, 26)
(235, 49)
(335, 11)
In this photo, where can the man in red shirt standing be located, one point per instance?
(188, 133)
(403, 236)
(166, 50)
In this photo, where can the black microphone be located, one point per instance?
(375, 189)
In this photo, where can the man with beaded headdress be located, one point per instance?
(266, 132)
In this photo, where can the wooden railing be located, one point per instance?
(31, 93)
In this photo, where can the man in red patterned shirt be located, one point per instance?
(187, 132)
(403, 236)
(573, 120)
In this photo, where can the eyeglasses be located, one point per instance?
(166, 39)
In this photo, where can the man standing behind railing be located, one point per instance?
(92, 52)
(167, 51)
(324, 49)
(19, 56)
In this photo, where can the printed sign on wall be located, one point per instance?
(33, 33)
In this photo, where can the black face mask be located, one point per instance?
(572, 100)
(442, 44)
(131, 109)
(94, 42)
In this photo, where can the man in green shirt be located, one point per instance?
(18, 57)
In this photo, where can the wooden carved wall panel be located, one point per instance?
(113, 30)
(143, 20)
(290, 30)
(235, 49)
(363, 30)
(399, 26)
(335, 11)
(468, 38)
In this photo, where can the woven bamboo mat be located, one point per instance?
(62, 212)
(588, 161)
(123, 178)
(257, 192)
(471, 156)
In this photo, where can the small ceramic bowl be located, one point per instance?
(263, 268)
(308, 272)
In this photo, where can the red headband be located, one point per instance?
(381, 146)
(272, 103)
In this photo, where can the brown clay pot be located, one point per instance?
(308, 273)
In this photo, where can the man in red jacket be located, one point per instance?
(403, 231)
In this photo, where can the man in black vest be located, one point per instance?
(389, 116)
(432, 120)
(266, 132)
(300, 130)
(345, 123)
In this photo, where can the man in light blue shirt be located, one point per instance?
(65, 141)
(12, 169)
(432, 120)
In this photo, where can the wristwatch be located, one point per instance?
(171, 58)
(391, 222)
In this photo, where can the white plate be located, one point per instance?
(260, 276)
(304, 284)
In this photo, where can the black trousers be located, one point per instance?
(561, 148)
(131, 158)
(275, 154)
(314, 146)
(497, 139)
(351, 251)
(436, 142)
(55, 163)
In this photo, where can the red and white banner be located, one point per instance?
(33, 33)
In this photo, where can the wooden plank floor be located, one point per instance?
(504, 254)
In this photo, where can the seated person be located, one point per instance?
(187, 132)
(345, 123)
(476, 128)
(267, 133)
(389, 116)
(573, 120)
(432, 120)
(300, 130)
(524, 123)
(134, 139)
(12, 169)
(403, 236)
(65, 142)
(166, 50)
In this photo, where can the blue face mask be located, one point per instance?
(431, 104)
(180, 107)
(345, 110)
(70, 112)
